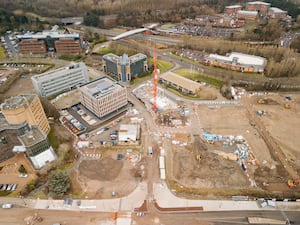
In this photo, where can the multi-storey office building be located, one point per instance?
(24, 138)
(56, 81)
(277, 13)
(67, 45)
(261, 7)
(37, 147)
(247, 15)
(50, 41)
(232, 9)
(25, 107)
(103, 96)
(32, 46)
(125, 67)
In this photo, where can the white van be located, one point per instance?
(7, 206)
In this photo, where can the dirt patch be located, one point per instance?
(211, 171)
(211, 167)
(107, 178)
(104, 170)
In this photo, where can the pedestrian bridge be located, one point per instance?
(129, 33)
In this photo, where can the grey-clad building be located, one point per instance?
(125, 67)
(25, 138)
(56, 81)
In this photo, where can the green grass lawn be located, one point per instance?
(138, 80)
(185, 59)
(71, 57)
(225, 71)
(195, 75)
(167, 25)
(67, 166)
(52, 139)
(104, 51)
(2, 53)
(162, 65)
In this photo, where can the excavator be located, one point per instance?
(293, 182)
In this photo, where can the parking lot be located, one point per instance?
(11, 180)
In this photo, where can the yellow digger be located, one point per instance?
(293, 183)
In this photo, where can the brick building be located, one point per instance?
(232, 9)
(247, 15)
(277, 13)
(68, 45)
(261, 7)
(50, 41)
(32, 46)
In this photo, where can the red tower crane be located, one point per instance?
(154, 81)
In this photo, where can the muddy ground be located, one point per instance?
(269, 174)
(100, 178)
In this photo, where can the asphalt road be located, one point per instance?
(16, 216)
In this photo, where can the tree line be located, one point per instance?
(282, 62)
(10, 21)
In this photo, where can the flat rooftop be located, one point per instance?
(17, 101)
(122, 59)
(247, 12)
(47, 33)
(277, 10)
(233, 6)
(258, 3)
(137, 57)
(58, 72)
(101, 87)
(112, 57)
(32, 137)
(242, 59)
(181, 81)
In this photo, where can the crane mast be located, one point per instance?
(154, 81)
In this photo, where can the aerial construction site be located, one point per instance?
(246, 147)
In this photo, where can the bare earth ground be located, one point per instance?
(9, 173)
(21, 216)
(99, 178)
(213, 171)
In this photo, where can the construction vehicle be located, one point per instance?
(293, 183)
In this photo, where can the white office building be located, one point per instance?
(55, 81)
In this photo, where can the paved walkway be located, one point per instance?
(166, 199)
(127, 203)
(163, 197)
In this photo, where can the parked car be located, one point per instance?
(23, 175)
(14, 187)
(3, 187)
(9, 186)
(7, 206)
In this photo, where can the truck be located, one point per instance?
(150, 151)
(100, 131)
